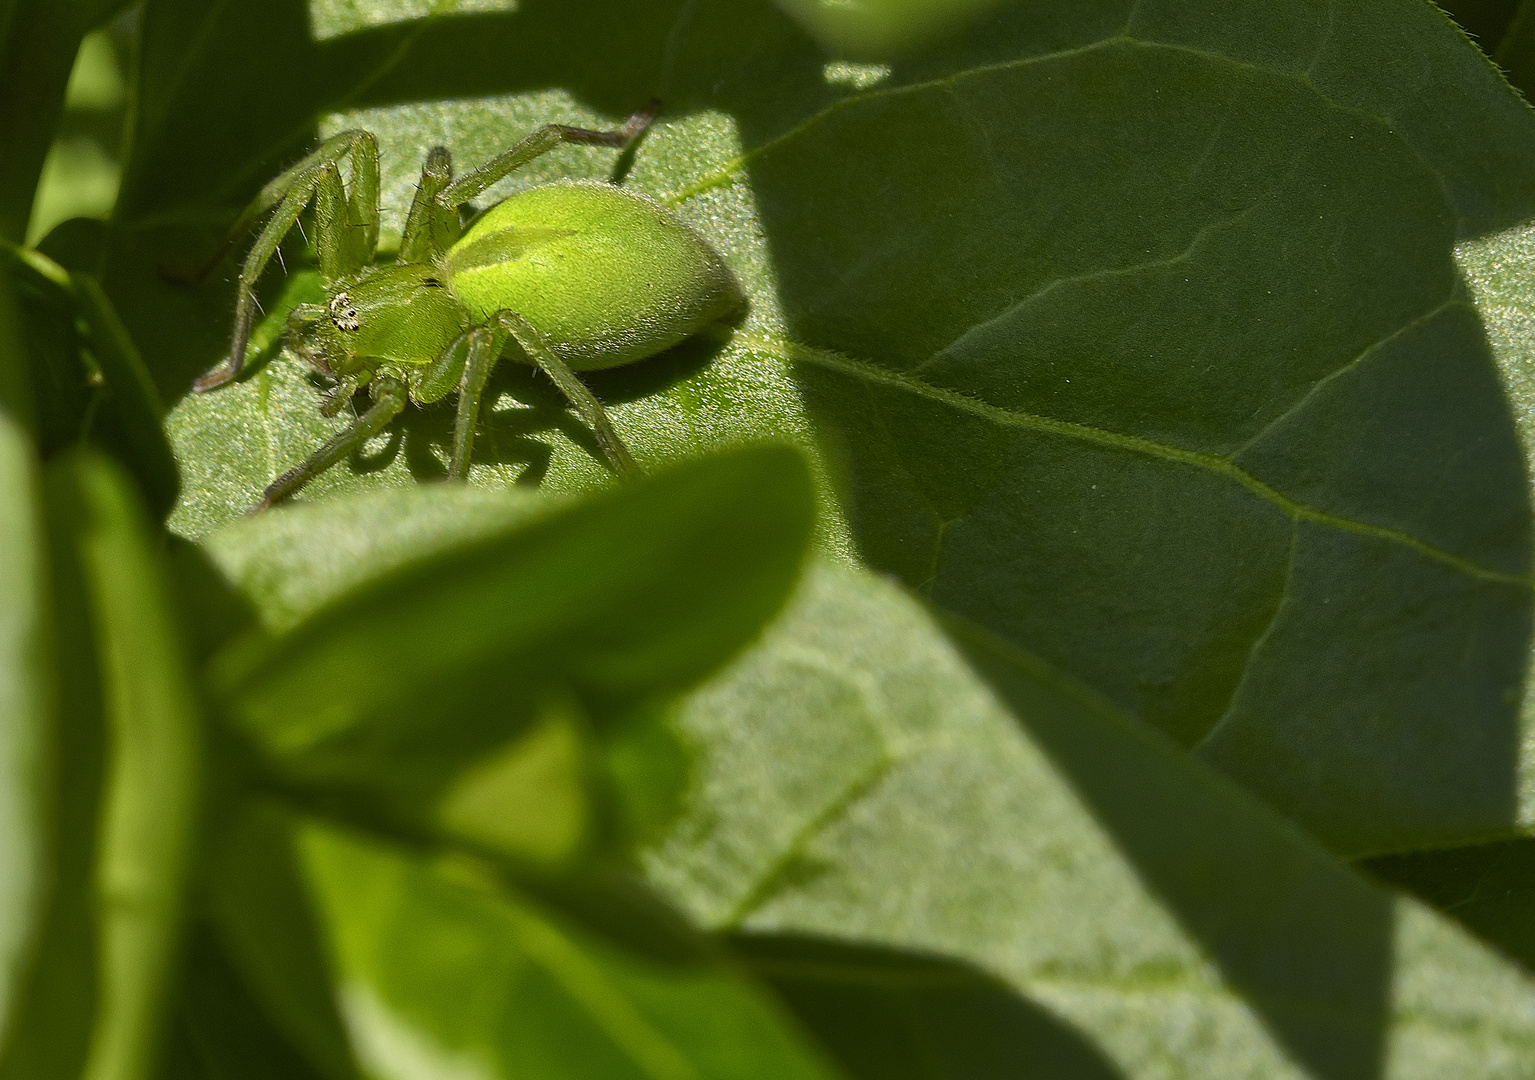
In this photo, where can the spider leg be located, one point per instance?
(343, 243)
(485, 344)
(538, 143)
(359, 144)
(388, 396)
(444, 374)
(535, 347)
(430, 227)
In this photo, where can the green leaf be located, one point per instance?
(867, 776)
(149, 796)
(220, 1032)
(86, 380)
(528, 799)
(435, 966)
(1516, 49)
(131, 426)
(440, 972)
(26, 695)
(439, 693)
(50, 368)
(49, 1032)
(628, 596)
(1485, 22)
(1132, 335)
(38, 43)
(290, 564)
(260, 906)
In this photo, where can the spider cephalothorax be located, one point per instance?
(568, 277)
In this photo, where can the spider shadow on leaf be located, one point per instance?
(661, 372)
(523, 405)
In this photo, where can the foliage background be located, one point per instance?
(1153, 698)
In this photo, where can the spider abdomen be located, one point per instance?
(607, 275)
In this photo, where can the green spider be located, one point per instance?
(571, 276)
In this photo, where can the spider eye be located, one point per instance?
(342, 312)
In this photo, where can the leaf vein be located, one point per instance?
(1221, 466)
(778, 870)
(728, 171)
(1258, 641)
(1454, 300)
(1200, 236)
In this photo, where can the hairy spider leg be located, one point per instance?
(537, 144)
(485, 345)
(388, 397)
(430, 227)
(347, 235)
(357, 144)
(346, 231)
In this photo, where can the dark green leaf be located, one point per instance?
(1489, 888)
(220, 1032)
(261, 908)
(131, 426)
(50, 365)
(1515, 51)
(86, 379)
(38, 42)
(15, 383)
(1484, 21)
(864, 777)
